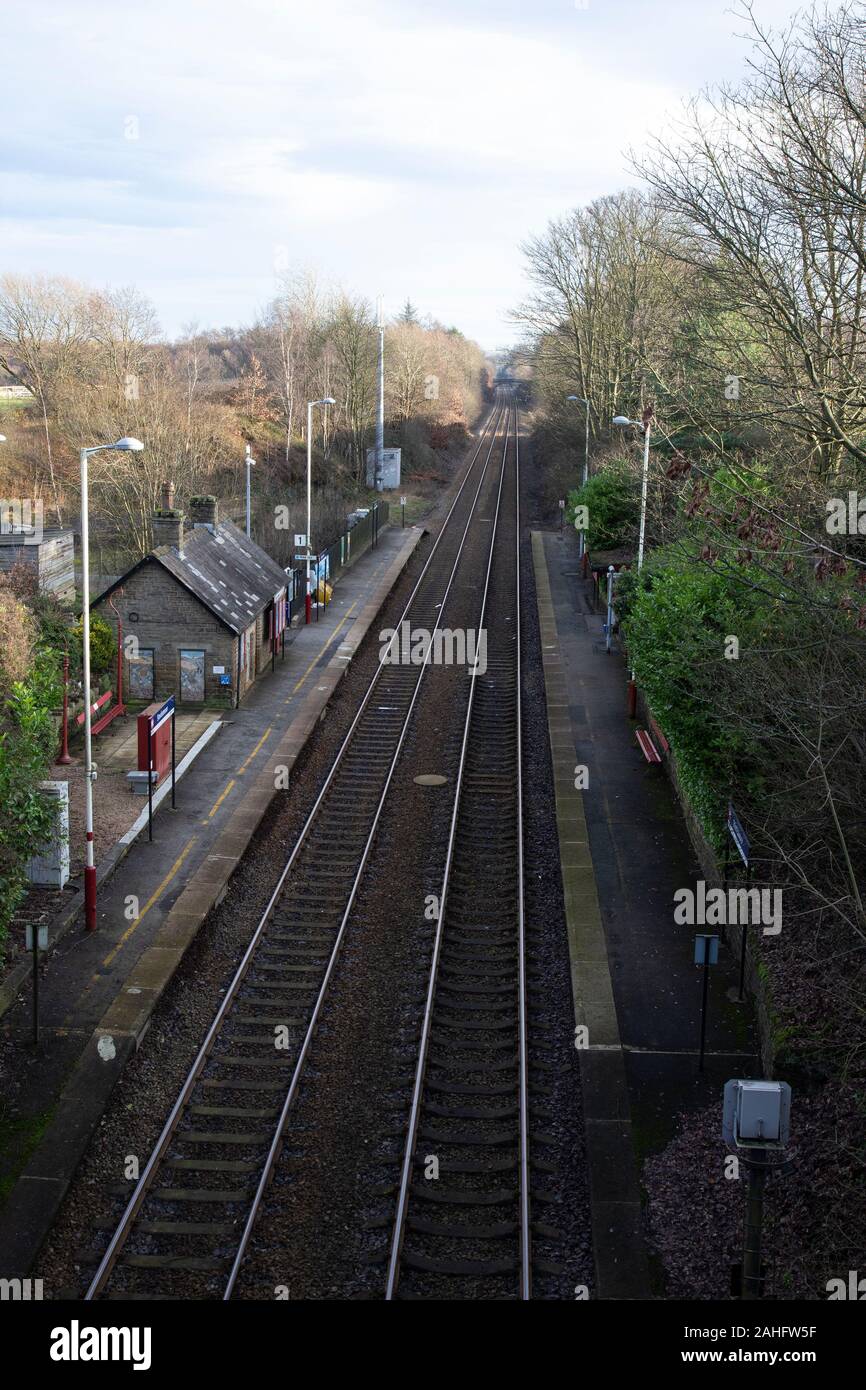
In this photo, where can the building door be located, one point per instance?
(192, 676)
(140, 675)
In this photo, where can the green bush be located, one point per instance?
(612, 500)
(27, 743)
(675, 617)
(103, 645)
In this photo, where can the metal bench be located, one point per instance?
(104, 719)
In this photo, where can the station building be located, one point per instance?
(206, 609)
(49, 554)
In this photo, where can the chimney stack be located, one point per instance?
(167, 524)
(204, 511)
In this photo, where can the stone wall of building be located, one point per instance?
(168, 619)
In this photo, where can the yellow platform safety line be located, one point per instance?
(154, 897)
(219, 801)
(317, 659)
(245, 764)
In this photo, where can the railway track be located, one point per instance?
(185, 1230)
(462, 1225)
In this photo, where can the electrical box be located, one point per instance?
(51, 865)
(757, 1113)
(759, 1110)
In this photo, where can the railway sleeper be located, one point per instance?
(459, 1197)
(472, 1268)
(500, 1230)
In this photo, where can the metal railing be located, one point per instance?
(331, 563)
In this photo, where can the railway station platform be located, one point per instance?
(624, 851)
(97, 992)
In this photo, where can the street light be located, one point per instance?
(125, 445)
(623, 422)
(251, 463)
(580, 401)
(326, 400)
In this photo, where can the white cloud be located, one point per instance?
(402, 147)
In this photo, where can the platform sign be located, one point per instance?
(706, 950)
(738, 834)
(158, 718)
(41, 943)
(156, 721)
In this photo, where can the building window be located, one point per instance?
(192, 676)
(140, 674)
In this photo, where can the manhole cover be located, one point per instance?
(430, 779)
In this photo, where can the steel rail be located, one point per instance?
(491, 430)
(335, 950)
(423, 1049)
(523, 1044)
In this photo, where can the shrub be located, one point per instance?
(17, 636)
(103, 646)
(675, 616)
(27, 742)
(612, 500)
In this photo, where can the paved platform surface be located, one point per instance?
(99, 991)
(625, 850)
(117, 749)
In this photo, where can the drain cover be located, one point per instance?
(431, 779)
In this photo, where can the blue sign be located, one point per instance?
(706, 950)
(164, 712)
(738, 834)
(225, 680)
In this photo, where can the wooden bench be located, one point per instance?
(104, 719)
(658, 736)
(647, 747)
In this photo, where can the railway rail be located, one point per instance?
(186, 1228)
(462, 1225)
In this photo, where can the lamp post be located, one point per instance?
(580, 401)
(380, 404)
(250, 463)
(625, 423)
(125, 445)
(326, 400)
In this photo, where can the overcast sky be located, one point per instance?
(197, 147)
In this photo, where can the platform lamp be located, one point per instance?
(250, 463)
(326, 400)
(125, 445)
(579, 400)
(623, 422)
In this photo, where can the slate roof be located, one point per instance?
(231, 575)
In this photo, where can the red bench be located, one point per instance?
(104, 719)
(647, 747)
(658, 735)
